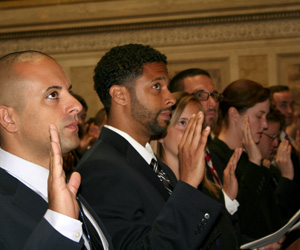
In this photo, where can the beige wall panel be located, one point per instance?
(254, 68)
(82, 82)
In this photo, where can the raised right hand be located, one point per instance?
(191, 150)
(230, 183)
(250, 146)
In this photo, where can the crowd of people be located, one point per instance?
(166, 164)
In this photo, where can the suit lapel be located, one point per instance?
(96, 218)
(134, 159)
(23, 197)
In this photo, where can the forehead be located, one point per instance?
(199, 82)
(284, 96)
(262, 107)
(155, 69)
(41, 74)
(153, 72)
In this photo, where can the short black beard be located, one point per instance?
(146, 117)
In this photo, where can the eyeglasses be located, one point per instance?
(271, 137)
(203, 95)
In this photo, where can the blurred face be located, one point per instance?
(211, 106)
(284, 102)
(47, 99)
(81, 122)
(270, 140)
(174, 133)
(151, 100)
(257, 119)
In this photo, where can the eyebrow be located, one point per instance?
(159, 78)
(57, 87)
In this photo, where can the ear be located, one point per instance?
(119, 94)
(7, 119)
(233, 113)
(161, 140)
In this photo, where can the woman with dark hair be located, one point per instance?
(243, 113)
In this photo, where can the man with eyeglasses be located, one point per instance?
(277, 157)
(199, 82)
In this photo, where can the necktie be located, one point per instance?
(89, 230)
(212, 168)
(161, 175)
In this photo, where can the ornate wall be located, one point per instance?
(258, 39)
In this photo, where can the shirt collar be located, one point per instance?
(32, 175)
(145, 151)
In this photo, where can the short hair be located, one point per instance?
(81, 100)
(8, 75)
(121, 66)
(177, 82)
(276, 89)
(276, 116)
(242, 95)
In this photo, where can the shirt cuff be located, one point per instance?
(65, 225)
(231, 205)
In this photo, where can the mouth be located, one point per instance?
(260, 134)
(166, 114)
(210, 114)
(73, 126)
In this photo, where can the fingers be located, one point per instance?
(56, 161)
(187, 131)
(74, 183)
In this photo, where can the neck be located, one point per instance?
(24, 154)
(136, 131)
(230, 138)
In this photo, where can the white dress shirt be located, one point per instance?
(145, 151)
(35, 177)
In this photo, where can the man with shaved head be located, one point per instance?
(36, 99)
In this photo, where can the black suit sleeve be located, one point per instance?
(139, 218)
(46, 237)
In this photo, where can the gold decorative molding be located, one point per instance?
(250, 18)
(216, 30)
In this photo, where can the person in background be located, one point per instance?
(244, 110)
(96, 125)
(224, 235)
(277, 157)
(71, 159)
(198, 82)
(282, 99)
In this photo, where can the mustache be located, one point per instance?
(211, 110)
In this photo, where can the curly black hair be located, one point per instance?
(121, 66)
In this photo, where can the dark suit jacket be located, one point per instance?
(258, 212)
(22, 225)
(133, 204)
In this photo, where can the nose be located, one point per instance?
(290, 110)
(211, 102)
(265, 123)
(169, 98)
(74, 106)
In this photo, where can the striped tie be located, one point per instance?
(161, 175)
(212, 168)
